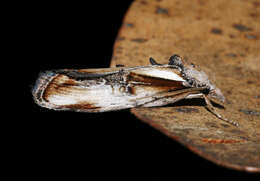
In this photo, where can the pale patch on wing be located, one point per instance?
(61, 100)
(191, 96)
(160, 73)
(102, 98)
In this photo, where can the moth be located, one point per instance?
(109, 89)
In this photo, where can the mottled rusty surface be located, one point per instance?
(223, 37)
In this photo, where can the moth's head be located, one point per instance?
(196, 78)
(216, 94)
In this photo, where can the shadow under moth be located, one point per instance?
(109, 89)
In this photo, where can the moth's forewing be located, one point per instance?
(97, 90)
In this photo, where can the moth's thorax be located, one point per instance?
(196, 77)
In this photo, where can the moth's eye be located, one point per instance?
(190, 81)
(206, 91)
(175, 60)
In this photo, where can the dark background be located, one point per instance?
(54, 36)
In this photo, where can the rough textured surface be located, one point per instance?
(223, 37)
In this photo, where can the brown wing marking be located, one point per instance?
(155, 83)
(61, 84)
(81, 107)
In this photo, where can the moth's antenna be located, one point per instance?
(153, 62)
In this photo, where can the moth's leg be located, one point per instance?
(172, 97)
(165, 98)
(210, 107)
(159, 101)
